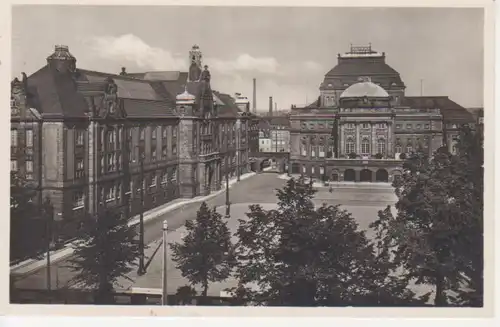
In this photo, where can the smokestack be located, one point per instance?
(270, 106)
(254, 102)
(275, 107)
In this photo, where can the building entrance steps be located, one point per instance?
(28, 266)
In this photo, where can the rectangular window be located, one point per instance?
(427, 126)
(141, 133)
(153, 181)
(321, 170)
(13, 165)
(398, 126)
(78, 200)
(174, 174)
(419, 126)
(29, 166)
(313, 152)
(154, 132)
(79, 168)
(153, 155)
(29, 137)
(408, 126)
(110, 194)
(164, 152)
(304, 169)
(321, 151)
(312, 170)
(365, 126)
(164, 132)
(164, 178)
(79, 137)
(13, 137)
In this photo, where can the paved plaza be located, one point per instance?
(360, 200)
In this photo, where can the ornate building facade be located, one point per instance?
(362, 124)
(90, 140)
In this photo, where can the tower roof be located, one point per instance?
(61, 52)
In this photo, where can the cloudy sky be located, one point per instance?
(288, 50)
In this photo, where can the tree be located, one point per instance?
(27, 230)
(105, 251)
(468, 197)
(423, 235)
(297, 255)
(185, 294)
(206, 253)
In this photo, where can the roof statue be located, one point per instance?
(111, 87)
(205, 76)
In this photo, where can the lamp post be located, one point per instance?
(164, 272)
(228, 204)
(48, 211)
(141, 270)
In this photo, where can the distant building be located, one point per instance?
(362, 122)
(81, 135)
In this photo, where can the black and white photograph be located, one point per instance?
(248, 156)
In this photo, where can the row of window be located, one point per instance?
(365, 125)
(114, 192)
(410, 126)
(14, 134)
(28, 166)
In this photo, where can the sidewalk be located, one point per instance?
(317, 184)
(31, 265)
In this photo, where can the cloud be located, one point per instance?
(131, 48)
(245, 63)
(287, 82)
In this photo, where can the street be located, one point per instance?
(260, 189)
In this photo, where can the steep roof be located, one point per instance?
(63, 94)
(450, 110)
(228, 108)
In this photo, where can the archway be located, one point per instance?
(382, 176)
(335, 176)
(349, 175)
(365, 175)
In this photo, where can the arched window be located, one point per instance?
(381, 146)
(349, 145)
(409, 148)
(398, 149)
(365, 146)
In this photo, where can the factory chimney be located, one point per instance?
(254, 102)
(270, 106)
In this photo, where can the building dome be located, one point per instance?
(364, 89)
(185, 97)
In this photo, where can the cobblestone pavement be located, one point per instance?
(258, 189)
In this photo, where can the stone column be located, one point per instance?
(389, 143)
(358, 145)
(357, 175)
(374, 149)
(340, 138)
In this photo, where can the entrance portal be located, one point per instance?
(365, 175)
(349, 175)
(335, 177)
(382, 176)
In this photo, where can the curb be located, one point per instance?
(346, 185)
(30, 265)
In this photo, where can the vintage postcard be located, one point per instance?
(239, 159)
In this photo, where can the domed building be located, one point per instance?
(362, 122)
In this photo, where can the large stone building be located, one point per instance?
(362, 122)
(91, 140)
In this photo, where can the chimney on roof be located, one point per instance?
(254, 100)
(270, 106)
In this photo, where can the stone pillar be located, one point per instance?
(341, 139)
(358, 145)
(357, 176)
(389, 142)
(373, 176)
(374, 148)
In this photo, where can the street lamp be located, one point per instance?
(164, 272)
(48, 211)
(228, 204)
(141, 270)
